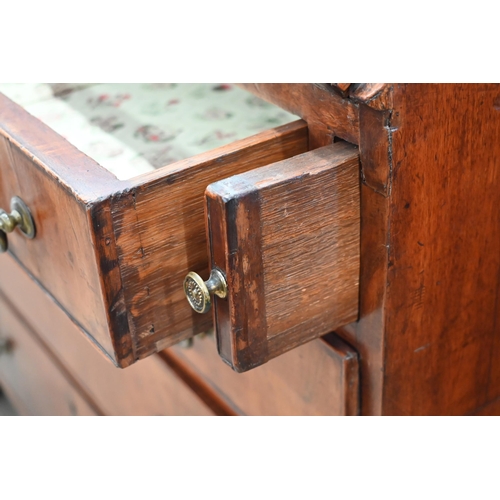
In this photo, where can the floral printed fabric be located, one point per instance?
(134, 128)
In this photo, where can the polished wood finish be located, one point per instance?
(151, 387)
(443, 274)
(317, 378)
(31, 379)
(430, 240)
(113, 253)
(286, 236)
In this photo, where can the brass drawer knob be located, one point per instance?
(20, 217)
(198, 291)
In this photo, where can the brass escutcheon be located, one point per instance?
(198, 291)
(19, 217)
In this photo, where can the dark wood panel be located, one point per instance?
(441, 331)
(318, 378)
(287, 238)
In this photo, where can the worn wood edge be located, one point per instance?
(376, 95)
(295, 129)
(110, 280)
(74, 171)
(202, 389)
(239, 345)
(280, 172)
(287, 137)
(250, 338)
(240, 194)
(276, 347)
(320, 105)
(30, 329)
(342, 87)
(350, 371)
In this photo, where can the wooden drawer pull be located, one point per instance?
(198, 291)
(20, 216)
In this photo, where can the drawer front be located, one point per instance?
(32, 378)
(284, 248)
(318, 378)
(147, 388)
(113, 253)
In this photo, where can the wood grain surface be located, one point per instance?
(317, 378)
(287, 238)
(151, 387)
(159, 230)
(443, 274)
(57, 182)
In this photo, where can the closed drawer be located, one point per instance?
(113, 253)
(147, 388)
(30, 376)
(318, 378)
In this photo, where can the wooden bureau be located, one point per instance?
(354, 260)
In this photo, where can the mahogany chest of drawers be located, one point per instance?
(353, 257)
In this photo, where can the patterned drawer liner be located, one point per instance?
(133, 128)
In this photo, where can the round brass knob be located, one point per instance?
(198, 291)
(20, 217)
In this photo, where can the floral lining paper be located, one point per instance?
(133, 128)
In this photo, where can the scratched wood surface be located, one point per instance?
(287, 238)
(151, 387)
(317, 378)
(441, 327)
(159, 230)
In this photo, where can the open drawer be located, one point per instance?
(284, 245)
(113, 253)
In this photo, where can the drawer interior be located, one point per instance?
(134, 128)
(113, 253)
